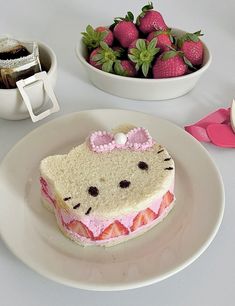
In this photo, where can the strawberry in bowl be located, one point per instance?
(143, 58)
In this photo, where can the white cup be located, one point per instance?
(12, 106)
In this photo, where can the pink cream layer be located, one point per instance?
(94, 224)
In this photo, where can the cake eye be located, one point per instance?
(124, 184)
(93, 191)
(143, 166)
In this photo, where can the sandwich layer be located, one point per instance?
(111, 188)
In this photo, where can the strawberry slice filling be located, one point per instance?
(83, 229)
(45, 190)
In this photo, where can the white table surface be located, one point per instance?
(211, 279)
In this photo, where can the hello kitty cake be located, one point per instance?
(113, 187)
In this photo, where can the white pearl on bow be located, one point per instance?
(120, 138)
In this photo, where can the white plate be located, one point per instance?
(31, 233)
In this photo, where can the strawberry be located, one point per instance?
(93, 56)
(125, 68)
(150, 20)
(143, 55)
(115, 229)
(166, 201)
(170, 64)
(144, 217)
(92, 38)
(164, 39)
(103, 57)
(79, 228)
(43, 182)
(132, 45)
(192, 47)
(125, 31)
(108, 38)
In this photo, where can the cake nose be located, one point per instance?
(124, 184)
(120, 138)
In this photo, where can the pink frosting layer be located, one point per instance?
(94, 224)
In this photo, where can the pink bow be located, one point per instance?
(137, 139)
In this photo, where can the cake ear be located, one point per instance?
(49, 166)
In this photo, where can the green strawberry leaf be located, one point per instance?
(90, 30)
(103, 35)
(129, 16)
(104, 46)
(140, 44)
(97, 57)
(168, 54)
(107, 67)
(188, 63)
(145, 68)
(192, 37)
(152, 44)
(134, 52)
(118, 69)
(133, 58)
(155, 51)
(147, 7)
(198, 33)
(137, 67)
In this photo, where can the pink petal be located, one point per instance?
(221, 135)
(198, 132)
(219, 116)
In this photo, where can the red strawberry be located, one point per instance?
(43, 182)
(164, 39)
(93, 37)
(103, 57)
(169, 64)
(108, 38)
(166, 201)
(150, 20)
(92, 61)
(192, 47)
(125, 68)
(125, 31)
(81, 229)
(113, 230)
(144, 217)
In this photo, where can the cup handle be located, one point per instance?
(40, 76)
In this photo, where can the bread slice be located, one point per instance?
(97, 190)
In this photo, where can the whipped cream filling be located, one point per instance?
(97, 225)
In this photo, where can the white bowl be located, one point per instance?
(139, 88)
(12, 106)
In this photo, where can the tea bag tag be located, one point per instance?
(40, 76)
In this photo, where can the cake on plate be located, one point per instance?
(113, 187)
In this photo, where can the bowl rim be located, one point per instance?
(138, 80)
(52, 69)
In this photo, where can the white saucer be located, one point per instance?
(30, 231)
